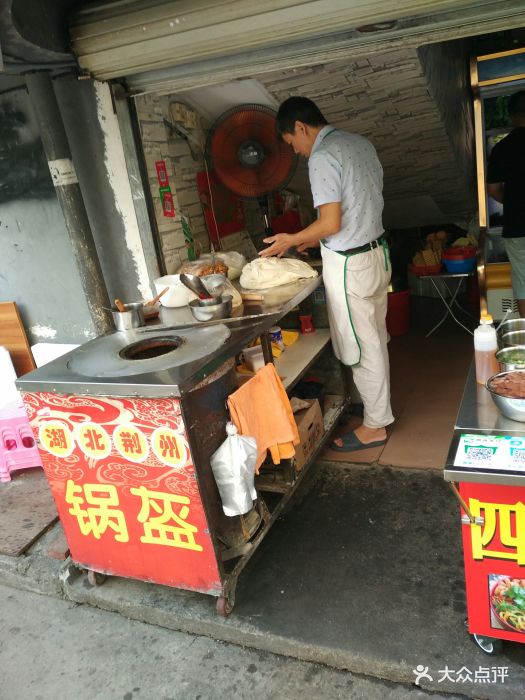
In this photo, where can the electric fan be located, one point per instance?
(247, 156)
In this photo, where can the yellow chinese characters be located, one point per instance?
(94, 506)
(166, 527)
(93, 440)
(56, 438)
(511, 521)
(169, 447)
(131, 443)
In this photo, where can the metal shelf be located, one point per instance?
(297, 358)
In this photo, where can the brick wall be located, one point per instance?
(387, 97)
(413, 105)
(183, 161)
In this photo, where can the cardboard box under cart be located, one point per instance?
(311, 429)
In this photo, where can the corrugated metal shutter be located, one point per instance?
(167, 44)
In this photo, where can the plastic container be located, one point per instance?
(253, 358)
(423, 270)
(458, 265)
(485, 348)
(459, 253)
(177, 294)
(398, 313)
(459, 260)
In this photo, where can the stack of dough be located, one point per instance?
(264, 273)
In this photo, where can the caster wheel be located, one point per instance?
(94, 578)
(488, 645)
(223, 606)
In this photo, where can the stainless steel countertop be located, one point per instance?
(478, 415)
(58, 377)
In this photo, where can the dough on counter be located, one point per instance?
(264, 273)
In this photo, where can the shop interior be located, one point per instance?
(427, 148)
(418, 107)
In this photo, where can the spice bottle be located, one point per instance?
(485, 348)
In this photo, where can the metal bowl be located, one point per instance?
(504, 356)
(511, 408)
(514, 338)
(211, 312)
(513, 324)
(214, 283)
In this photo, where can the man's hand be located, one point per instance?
(281, 242)
(304, 246)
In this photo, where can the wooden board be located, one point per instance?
(27, 509)
(13, 337)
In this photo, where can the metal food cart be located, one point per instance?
(126, 425)
(486, 469)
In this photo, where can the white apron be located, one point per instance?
(344, 339)
(355, 291)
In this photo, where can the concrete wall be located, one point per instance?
(125, 249)
(37, 268)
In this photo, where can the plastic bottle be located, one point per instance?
(485, 348)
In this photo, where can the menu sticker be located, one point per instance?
(501, 452)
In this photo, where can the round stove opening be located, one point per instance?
(151, 347)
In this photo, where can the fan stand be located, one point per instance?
(265, 211)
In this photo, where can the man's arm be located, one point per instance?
(495, 190)
(328, 223)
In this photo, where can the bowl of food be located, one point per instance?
(513, 338)
(209, 312)
(512, 357)
(507, 601)
(508, 393)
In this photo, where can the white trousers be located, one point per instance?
(356, 292)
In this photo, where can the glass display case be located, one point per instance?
(494, 78)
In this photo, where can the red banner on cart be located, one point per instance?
(494, 554)
(125, 487)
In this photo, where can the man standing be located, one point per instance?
(506, 184)
(346, 179)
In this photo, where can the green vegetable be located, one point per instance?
(516, 357)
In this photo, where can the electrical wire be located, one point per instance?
(212, 205)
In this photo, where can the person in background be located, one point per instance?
(346, 179)
(506, 184)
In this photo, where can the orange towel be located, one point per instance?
(261, 409)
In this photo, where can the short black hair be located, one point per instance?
(516, 103)
(298, 109)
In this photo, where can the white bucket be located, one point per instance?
(177, 294)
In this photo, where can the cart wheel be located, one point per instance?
(94, 578)
(488, 645)
(223, 607)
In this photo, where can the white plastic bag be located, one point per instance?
(233, 466)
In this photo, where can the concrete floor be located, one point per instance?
(363, 574)
(52, 650)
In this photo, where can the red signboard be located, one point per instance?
(125, 487)
(168, 206)
(162, 173)
(494, 555)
